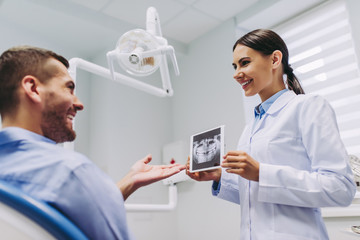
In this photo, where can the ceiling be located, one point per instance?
(182, 20)
(97, 24)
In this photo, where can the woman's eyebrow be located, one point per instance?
(243, 58)
(240, 60)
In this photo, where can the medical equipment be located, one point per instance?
(355, 229)
(175, 152)
(140, 53)
(355, 166)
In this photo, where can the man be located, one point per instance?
(37, 107)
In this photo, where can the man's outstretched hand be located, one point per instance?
(142, 174)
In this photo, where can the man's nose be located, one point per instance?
(78, 104)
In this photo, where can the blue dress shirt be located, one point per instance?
(64, 179)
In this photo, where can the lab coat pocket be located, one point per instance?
(293, 223)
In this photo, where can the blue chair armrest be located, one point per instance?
(40, 212)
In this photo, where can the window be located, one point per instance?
(323, 57)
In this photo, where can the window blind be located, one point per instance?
(323, 57)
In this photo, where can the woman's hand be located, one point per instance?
(241, 163)
(211, 175)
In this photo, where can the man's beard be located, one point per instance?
(54, 127)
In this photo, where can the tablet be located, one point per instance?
(207, 149)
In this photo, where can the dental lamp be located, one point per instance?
(140, 53)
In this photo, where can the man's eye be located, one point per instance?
(71, 87)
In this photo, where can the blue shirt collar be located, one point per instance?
(262, 108)
(10, 134)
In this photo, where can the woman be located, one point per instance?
(290, 159)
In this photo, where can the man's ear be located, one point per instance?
(31, 85)
(276, 59)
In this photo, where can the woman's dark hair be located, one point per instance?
(266, 42)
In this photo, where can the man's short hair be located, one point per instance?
(15, 64)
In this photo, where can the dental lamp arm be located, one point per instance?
(153, 22)
(142, 174)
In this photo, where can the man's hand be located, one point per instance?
(142, 174)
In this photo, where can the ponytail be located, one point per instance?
(291, 81)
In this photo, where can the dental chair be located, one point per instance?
(23, 217)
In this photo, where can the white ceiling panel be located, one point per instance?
(96, 5)
(223, 10)
(265, 18)
(187, 2)
(91, 25)
(135, 11)
(189, 25)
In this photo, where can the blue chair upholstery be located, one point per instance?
(40, 212)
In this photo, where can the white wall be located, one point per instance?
(126, 125)
(13, 34)
(207, 96)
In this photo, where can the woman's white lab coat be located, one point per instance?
(303, 166)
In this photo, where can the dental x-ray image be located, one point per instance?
(206, 149)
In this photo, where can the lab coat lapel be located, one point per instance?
(281, 102)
